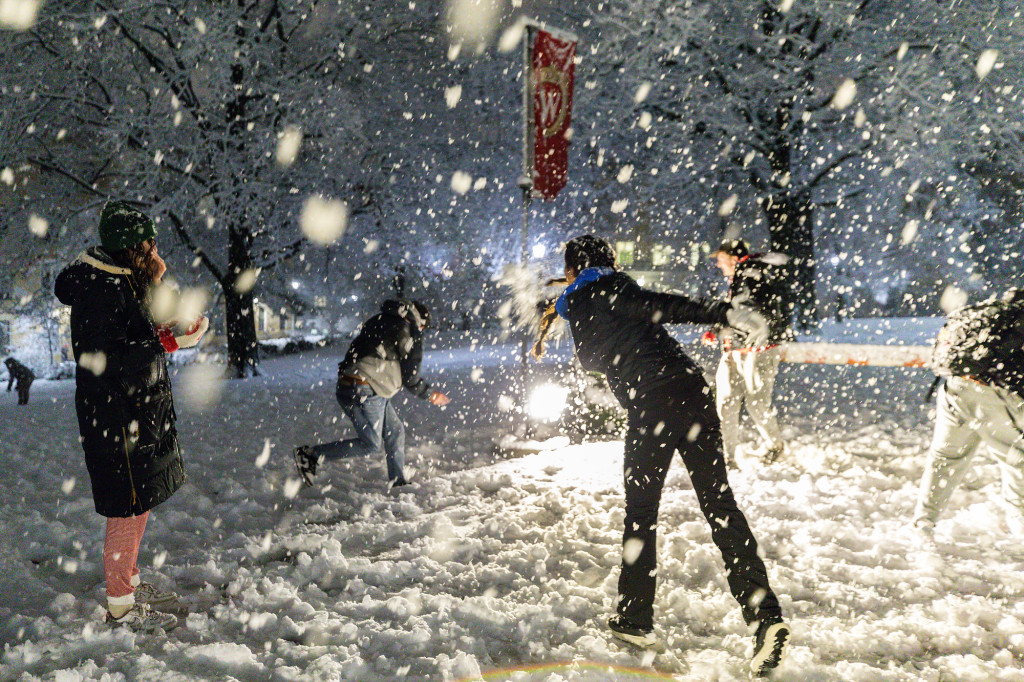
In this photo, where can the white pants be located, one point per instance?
(747, 378)
(969, 414)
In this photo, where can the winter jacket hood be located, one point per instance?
(69, 282)
(388, 351)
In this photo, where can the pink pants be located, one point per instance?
(120, 552)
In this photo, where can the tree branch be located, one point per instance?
(186, 239)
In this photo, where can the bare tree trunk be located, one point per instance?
(791, 228)
(243, 349)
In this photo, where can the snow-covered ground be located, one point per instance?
(489, 562)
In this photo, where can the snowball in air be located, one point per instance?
(952, 298)
(473, 21)
(38, 225)
(642, 92)
(246, 280)
(986, 61)
(18, 15)
(510, 38)
(845, 94)
(288, 143)
(728, 206)
(322, 220)
(461, 182)
(452, 95)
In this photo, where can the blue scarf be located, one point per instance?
(586, 277)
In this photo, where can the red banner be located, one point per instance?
(552, 72)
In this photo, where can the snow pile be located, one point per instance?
(486, 565)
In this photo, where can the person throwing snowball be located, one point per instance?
(385, 356)
(617, 328)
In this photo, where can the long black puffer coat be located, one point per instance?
(125, 411)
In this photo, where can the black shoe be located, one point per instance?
(628, 632)
(769, 646)
(305, 462)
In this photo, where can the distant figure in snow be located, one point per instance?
(123, 399)
(21, 377)
(385, 356)
(746, 373)
(617, 330)
(980, 354)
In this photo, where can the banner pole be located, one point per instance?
(526, 178)
(526, 186)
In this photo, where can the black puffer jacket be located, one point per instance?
(759, 283)
(617, 329)
(123, 397)
(984, 341)
(18, 373)
(388, 352)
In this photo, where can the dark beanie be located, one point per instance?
(122, 227)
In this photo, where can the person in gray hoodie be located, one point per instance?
(383, 358)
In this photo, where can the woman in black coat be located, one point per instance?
(123, 399)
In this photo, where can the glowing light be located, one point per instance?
(546, 402)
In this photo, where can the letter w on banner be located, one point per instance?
(552, 71)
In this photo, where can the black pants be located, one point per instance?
(681, 416)
(22, 388)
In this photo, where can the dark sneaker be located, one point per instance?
(627, 632)
(305, 462)
(769, 646)
(142, 618)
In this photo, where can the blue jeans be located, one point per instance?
(377, 428)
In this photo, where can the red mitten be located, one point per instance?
(709, 338)
(193, 334)
(166, 337)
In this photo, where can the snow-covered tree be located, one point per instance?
(787, 105)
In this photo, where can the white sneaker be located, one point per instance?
(142, 618)
(147, 593)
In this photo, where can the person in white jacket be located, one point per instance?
(746, 374)
(980, 354)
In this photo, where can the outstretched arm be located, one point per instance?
(664, 308)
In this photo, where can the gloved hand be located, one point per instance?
(188, 339)
(708, 338)
(751, 326)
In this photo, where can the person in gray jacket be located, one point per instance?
(980, 354)
(383, 358)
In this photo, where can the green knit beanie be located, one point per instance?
(122, 227)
